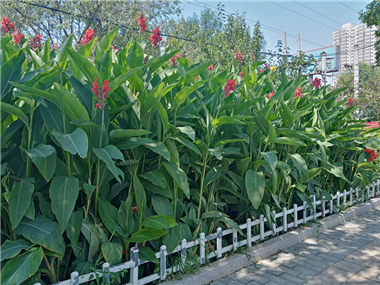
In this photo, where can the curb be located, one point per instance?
(231, 264)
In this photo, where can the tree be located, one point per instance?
(371, 16)
(44, 17)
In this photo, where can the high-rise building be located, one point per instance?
(351, 35)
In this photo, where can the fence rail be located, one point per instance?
(345, 198)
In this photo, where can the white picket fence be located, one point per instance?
(345, 198)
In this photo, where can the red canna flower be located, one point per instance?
(7, 25)
(239, 57)
(101, 99)
(270, 95)
(316, 83)
(242, 74)
(298, 93)
(155, 37)
(229, 87)
(350, 102)
(17, 36)
(36, 42)
(367, 150)
(211, 67)
(88, 36)
(141, 22)
(95, 88)
(114, 49)
(123, 252)
(372, 154)
(136, 209)
(174, 60)
(262, 70)
(105, 88)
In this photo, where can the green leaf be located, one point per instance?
(336, 172)
(42, 231)
(12, 248)
(159, 148)
(127, 133)
(299, 163)
(88, 69)
(62, 53)
(255, 186)
(182, 95)
(188, 144)
(262, 123)
(21, 267)
(159, 222)
(146, 234)
(179, 176)
(188, 131)
(75, 143)
(73, 228)
(172, 238)
(88, 189)
(287, 115)
(146, 253)
(86, 49)
(44, 157)
(122, 79)
(155, 63)
(287, 140)
(163, 115)
(104, 44)
(231, 224)
(108, 213)
(162, 206)
(63, 193)
(373, 143)
(12, 70)
(84, 95)
(135, 55)
(19, 200)
(112, 252)
(157, 178)
(15, 112)
(84, 123)
(139, 194)
(107, 154)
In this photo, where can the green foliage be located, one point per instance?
(168, 157)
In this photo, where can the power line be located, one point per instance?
(301, 15)
(317, 12)
(347, 6)
(264, 26)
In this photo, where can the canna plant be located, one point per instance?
(105, 151)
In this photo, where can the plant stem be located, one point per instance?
(202, 181)
(52, 273)
(98, 167)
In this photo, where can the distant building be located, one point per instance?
(351, 35)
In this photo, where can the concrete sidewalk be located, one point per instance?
(345, 254)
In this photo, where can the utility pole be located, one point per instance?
(356, 70)
(323, 55)
(285, 47)
(298, 43)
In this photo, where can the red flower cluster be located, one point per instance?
(298, 93)
(101, 99)
(373, 154)
(88, 36)
(242, 74)
(252, 56)
(373, 125)
(7, 25)
(211, 67)
(136, 209)
(17, 36)
(270, 95)
(316, 83)
(350, 102)
(155, 37)
(36, 41)
(266, 65)
(174, 60)
(141, 21)
(239, 57)
(229, 87)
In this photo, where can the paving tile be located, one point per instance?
(292, 278)
(337, 274)
(348, 266)
(372, 271)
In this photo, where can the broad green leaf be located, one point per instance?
(135, 55)
(229, 120)
(336, 172)
(163, 115)
(156, 62)
(373, 143)
(86, 49)
(88, 189)
(179, 176)
(127, 133)
(88, 69)
(287, 115)
(188, 144)
(44, 157)
(83, 94)
(162, 205)
(271, 157)
(184, 93)
(75, 143)
(12, 70)
(84, 123)
(139, 194)
(255, 186)
(159, 148)
(188, 131)
(157, 178)
(213, 174)
(107, 154)
(19, 201)
(108, 213)
(146, 253)
(21, 267)
(262, 123)
(12, 248)
(146, 234)
(112, 252)
(286, 140)
(73, 228)
(299, 163)
(5, 107)
(62, 53)
(42, 231)
(231, 224)
(63, 193)
(114, 84)
(159, 222)
(223, 142)
(104, 44)
(172, 238)
(40, 93)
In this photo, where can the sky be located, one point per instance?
(299, 16)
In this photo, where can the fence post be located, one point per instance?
(367, 192)
(219, 245)
(234, 239)
(351, 191)
(249, 233)
(183, 252)
(323, 206)
(345, 197)
(331, 206)
(163, 262)
(314, 207)
(373, 189)
(378, 186)
(202, 248)
(357, 195)
(134, 275)
(304, 212)
(106, 272)
(262, 227)
(295, 215)
(74, 278)
(338, 200)
(285, 219)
